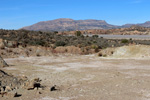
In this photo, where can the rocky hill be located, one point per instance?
(65, 24)
(146, 24)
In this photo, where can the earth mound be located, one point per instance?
(131, 51)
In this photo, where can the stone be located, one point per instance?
(54, 88)
(34, 84)
(12, 44)
(8, 89)
(13, 94)
(2, 90)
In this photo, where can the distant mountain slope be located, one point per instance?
(146, 24)
(133, 30)
(65, 24)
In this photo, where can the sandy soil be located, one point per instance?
(84, 77)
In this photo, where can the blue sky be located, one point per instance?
(15, 14)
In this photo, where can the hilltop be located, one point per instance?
(66, 24)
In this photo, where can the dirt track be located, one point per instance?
(84, 77)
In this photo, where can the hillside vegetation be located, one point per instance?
(55, 43)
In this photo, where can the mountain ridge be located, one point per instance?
(67, 24)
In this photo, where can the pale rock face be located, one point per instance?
(131, 51)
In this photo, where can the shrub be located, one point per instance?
(40, 42)
(55, 32)
(100, 54)
(60, 43)
(78, 33)
(94, 46)
(124, 41)
(94, 41)
(95, 36)
(104, 55)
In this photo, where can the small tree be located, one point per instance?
(124, 41)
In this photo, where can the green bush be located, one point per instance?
(95, 36)
(60, 43)
(124, 41)
(55, 32)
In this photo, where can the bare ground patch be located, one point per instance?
(84, 77)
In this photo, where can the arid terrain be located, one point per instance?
(37, 65)
(74, 50)
(83, 77)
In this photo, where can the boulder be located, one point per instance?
(33, 84)
(55, 88)
(12, 44)
(3, 63)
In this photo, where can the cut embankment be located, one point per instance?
(131, 51)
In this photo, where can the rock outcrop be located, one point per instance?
(131, 51)
(9, 84)
(3, 63)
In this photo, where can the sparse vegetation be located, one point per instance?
(60, 43)
(95, 36)
(124, 41)
(53, 40)
(78, 33)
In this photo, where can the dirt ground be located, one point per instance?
(86, 77)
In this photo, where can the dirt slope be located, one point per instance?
(132, 51)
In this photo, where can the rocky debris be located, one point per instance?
(25, 52)
(8, 44)
(8, 89)
(55, 88)
(10, 84)
(3, 63)
(11, 44)
(106, 52)
(33, 84)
